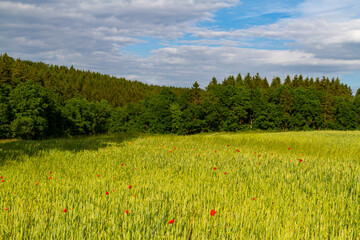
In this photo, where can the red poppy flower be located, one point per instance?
(36, 183)
(237, 150)
(289, 148)
(130, 186)
(171, 221)
(259, 163)
(6, 209)
(1, 177)
(253, 198)
(127, 211)
(228, 145)
(122, 164)
(3, 180)
(225, 173)
(65, 210)
(113, 190)
(98, 175)
(259, 155)
(212, 212)
(107, 193)
(214, 168)
(300, 160)
(50, 172)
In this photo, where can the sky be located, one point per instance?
(178, 42)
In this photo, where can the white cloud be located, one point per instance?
(328, 9)
(89, 34)
(183, 65)
(326, 28)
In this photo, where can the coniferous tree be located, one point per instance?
(5, 112)
(357, 105)
(265, 84)
(230, 80)
(239, 80)
(276, 82)
(327, 108)
(39, 100)
(213, 83)
(196, 93)
(287, 81)
(286, 103)
(6, 64)
(248, 82)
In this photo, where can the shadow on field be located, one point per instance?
(16, 150)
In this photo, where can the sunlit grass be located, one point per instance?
(266, 193)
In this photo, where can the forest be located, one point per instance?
(40, 101)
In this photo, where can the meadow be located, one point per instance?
(293, 185)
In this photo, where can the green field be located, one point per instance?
(266, 193)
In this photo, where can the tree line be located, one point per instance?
(40, 101)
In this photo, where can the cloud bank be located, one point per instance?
(315, 39)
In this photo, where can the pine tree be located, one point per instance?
(286, 103)
(239, 80)
(276, 82)
(287, 81)
(230, 80)
(196, 93)
(327, 108)
(265, 84)
(248, 82)
(213, 83)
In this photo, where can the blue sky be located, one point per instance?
(168, 42)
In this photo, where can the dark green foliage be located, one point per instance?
(177, 119)
(39, 100)
(25, 127)
(5, 111)
(118, 120)
(357, 105)
(234, 106)
(31, 106)
(157, 112)
(306, 113)
(69, 82)
(345, 114)
(286, 103)
(6, 65)
(85, 117)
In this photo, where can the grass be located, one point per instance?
(266, 193)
